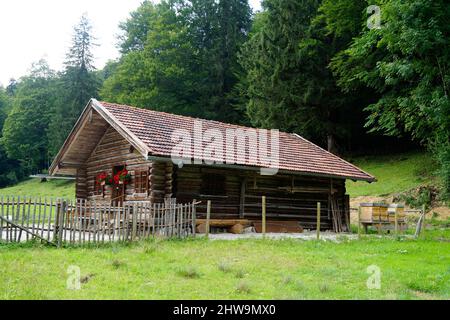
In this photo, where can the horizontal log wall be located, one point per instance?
(113, 150)
(242, 189)
(281, 203)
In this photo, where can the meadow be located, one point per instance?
(243, 269)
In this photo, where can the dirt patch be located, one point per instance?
(443, 213)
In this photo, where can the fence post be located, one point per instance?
(134, 223)
(61, 221)
(194, 217)
(56, 227)
(208, 217)
(423, 220)
(264, 216)
(318, 220)
(396, 222)
(420, 223)
(359, 222)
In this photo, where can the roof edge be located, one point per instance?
(121, 128)
(66, 143)
(256, 168)
(371, 177)
(111, 120)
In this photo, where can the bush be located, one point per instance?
(243, 287)
(189, 272)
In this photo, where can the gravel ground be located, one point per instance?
(307, 235)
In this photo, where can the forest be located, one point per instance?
(354, 76)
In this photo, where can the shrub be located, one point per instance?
(243, 287)
(189, 272)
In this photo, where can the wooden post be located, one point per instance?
(396, 222)
(242, 199)
(264, 216)
(423, 220)
(134, 223)
(318, 220)
(359, 222)
(208, 217)
(56, 226)
(420, 223)
(61, 222)
(194, 217)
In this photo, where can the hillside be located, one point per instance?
(395, 173)
(36, 188)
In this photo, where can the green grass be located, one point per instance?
(255, 269)
(395, 173)
(36, 188)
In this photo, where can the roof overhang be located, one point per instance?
(86, 134)
(282, 171)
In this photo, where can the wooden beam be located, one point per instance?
(242, 199)
(72, 165)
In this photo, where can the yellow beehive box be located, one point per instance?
(374, 212)
(399, 209)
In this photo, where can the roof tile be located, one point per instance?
(297, 154)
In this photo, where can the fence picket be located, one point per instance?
(81, 221)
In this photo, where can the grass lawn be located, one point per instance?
(395, 173)
(245, 269)
(36, 188)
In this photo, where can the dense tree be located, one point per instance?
(406, 62)
(183, 58)
(25, 129)
(288, 81)
(10, 172)
(77, 84)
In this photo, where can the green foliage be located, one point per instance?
(10, 171)
(287, 82)
(180, 56)
(76, 86)
(418, 197)
(25, 129)
(406, 63)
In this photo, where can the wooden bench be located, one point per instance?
(235, 226)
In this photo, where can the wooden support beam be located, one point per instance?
(242, 199)
(208, 217)
(264, 216)
(318, 220)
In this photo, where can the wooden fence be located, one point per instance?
(59, 221)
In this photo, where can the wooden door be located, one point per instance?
(118, 192)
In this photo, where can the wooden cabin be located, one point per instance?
(109, 139)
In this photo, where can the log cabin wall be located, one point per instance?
(114, 150)
(241, 197)
(81, 184)
(234, 193)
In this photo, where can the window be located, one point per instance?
(141, 181)
(213, 184)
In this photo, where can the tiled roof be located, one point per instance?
(297, 154)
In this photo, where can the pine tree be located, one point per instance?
(78, 84)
